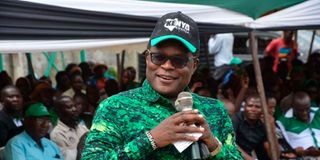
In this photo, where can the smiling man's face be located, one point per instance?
(166, 79)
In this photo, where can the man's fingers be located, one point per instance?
(184, 112)
(188, 129)
(190, 118)
(184, 137)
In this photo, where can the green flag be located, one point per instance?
(83, 55)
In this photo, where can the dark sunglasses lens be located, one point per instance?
(158, 58)
(179, 62)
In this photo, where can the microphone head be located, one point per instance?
(184, 101)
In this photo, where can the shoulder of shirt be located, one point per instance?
(201, 98)
(60, 128)
(50, 142)
(130, 94)
(238, 115)
(18, 139)
(207, 101)
(4, 116)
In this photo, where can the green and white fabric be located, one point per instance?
(298, 133)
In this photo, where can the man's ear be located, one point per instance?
(145, 56)
(195, 64)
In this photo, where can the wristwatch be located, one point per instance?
(218, 148)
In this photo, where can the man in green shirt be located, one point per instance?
(143, 124)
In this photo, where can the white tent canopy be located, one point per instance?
(306, 13)
(200, 13)
(16, 46)
(303, 15)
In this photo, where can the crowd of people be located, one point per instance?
(44, 121)
(38, 119)
(293, 98)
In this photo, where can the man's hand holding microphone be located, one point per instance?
(184, 126)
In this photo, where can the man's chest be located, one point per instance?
(251, 134)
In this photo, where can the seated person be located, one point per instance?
(32, 144)
(68, 130)
(249, 130)
(229, 106)
(127, 78)
(11, 114)
(285, 150)
(77, 85)
(300, 126)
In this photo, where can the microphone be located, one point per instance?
(184, 102)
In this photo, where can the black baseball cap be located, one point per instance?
(177, 26)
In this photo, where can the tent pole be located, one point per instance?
(121, 67)
(312, 40)
(118, 69)
(270, 133)
(1, 63)
(206, 51)
(29, 63)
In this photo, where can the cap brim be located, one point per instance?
(42, 114)
(235, 61)
(157, 40)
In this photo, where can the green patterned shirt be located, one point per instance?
(118, 129)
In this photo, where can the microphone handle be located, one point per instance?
(205, 153)
(199, 150)
(195, 151)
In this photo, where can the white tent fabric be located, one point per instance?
(15, 46)
(306, 13)
(200, 13)
(303, 14)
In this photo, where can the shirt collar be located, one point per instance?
(31, 142)
(313, 110)
(148, 93)
(64, 127)
(258, 123)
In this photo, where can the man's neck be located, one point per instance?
(70, 123)
(37, 140)
(12, 113)
(251, 122)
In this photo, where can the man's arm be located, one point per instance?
(244, 154)
(105, 140)
(266, 144)
(60, 139)
(226, 136)
(242, 93)
(270, 49)
(14, 151)
(214, 45)
(4, 135)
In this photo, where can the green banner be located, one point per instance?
(83, 55)
(62, 60)
(48, 58)
(51, 63)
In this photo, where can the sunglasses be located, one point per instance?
(176, 61)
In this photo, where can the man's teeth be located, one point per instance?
(166, 77)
